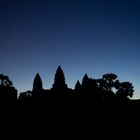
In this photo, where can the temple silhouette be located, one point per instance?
(105, 96)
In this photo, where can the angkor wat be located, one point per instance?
(87, 102)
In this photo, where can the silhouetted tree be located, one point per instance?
(25, 95)
(7, 91)
(59, 80)
(37, 86)
(109, 81)
(5, 81)
(125, 90)
(106, 86)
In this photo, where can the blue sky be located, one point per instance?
(83, 36)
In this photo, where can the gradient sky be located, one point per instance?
(83, 36)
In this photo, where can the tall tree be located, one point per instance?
(109, 81)
(7, 91)
(5, 81)
(59, 80)
(37, 86)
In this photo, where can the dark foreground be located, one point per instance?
(94, 120)
(71, 113)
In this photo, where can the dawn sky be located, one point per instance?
(83, 36)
